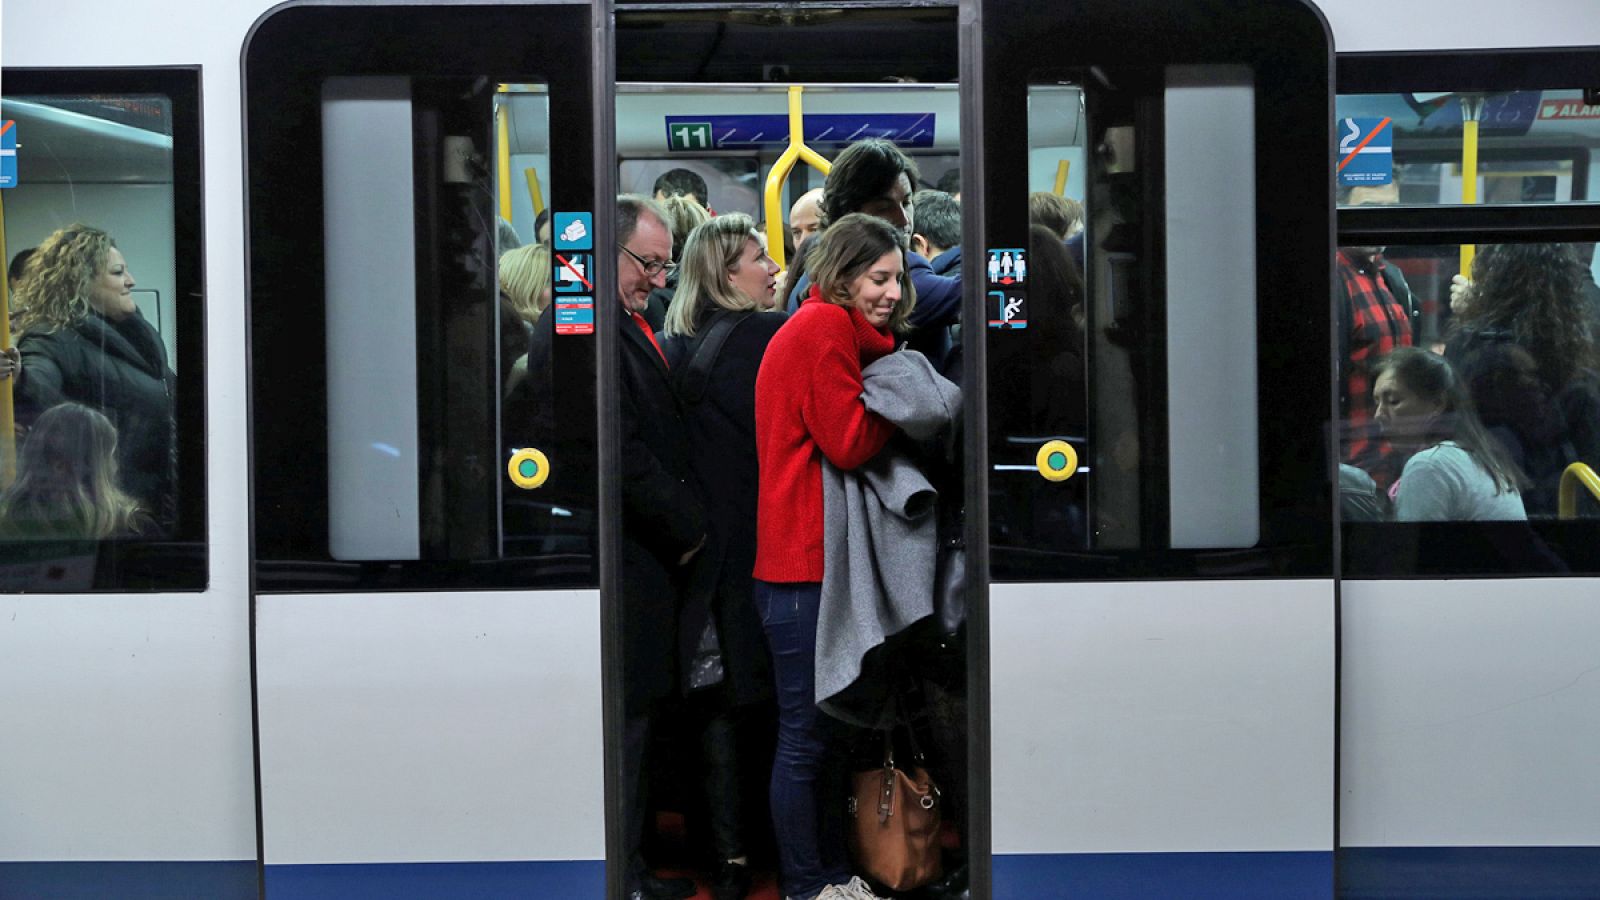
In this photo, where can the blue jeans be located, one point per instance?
(810, 836)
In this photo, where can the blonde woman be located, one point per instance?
(525, 291)
(83, 340)
(716, 332)
(66, 483)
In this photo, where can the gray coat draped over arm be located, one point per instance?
(880, 536)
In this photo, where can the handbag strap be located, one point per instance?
(692, 379)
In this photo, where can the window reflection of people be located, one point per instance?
(809, 407)
(83, 340)
(66, 483)
(1455, 471)
(727, 282)
(1524, 345)
(1375, 309)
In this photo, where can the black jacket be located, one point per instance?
(119, 369)
(662, 518)
(721, 426)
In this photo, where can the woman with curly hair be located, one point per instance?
(1524, 345)
(84, 341)
(66, 483)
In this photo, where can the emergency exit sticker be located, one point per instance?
(1366, 151)
(1007, 309)
(8, 153)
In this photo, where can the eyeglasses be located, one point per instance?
(652, 267)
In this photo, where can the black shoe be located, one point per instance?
(653, 888)
(732, 882)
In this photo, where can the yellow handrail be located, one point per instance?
(1471, 113)
(535, 195)
(1062, 168)
(1567, 497)
(502, 153)
(797, 150)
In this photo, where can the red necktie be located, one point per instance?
(645, 327)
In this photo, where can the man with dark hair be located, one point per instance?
(938, 230)
(876, 178)
(1376, 310)
(950, 183)
(682, 183)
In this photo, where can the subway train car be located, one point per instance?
(373, 647)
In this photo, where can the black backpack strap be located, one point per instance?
(692, 379)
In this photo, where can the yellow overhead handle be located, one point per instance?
(796, 151)
(1471, 114)
(1567, 497)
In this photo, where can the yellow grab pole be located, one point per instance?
(8, 419)
(503, 157)
(1567, 495)
(535, 195)
(773, 195)
(1062, 168)
(1471, 112)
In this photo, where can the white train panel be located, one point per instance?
(1471, 713)
(430, 727)
(1178, 717)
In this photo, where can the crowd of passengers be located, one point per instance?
(93, 398)
(789, 484)
(1482, 424)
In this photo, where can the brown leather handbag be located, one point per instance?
(895, 829)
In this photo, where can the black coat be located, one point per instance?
(119, 369)
(662, 518)
(722, 444)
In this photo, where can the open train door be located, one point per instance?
(425, 581)
(1161, 614)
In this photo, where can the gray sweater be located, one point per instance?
(880, 537)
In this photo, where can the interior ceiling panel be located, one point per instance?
(809, 45)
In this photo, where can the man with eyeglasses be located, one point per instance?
(663, 521)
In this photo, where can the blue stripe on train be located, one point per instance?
(1139, 876)
(429, 881)
(1469, 873)
(229, 880)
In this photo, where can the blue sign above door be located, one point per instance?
(687, 134)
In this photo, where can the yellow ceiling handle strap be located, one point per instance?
(797, 151)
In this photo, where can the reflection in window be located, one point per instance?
(1530, 147)
(1506, 379)
(92, 303)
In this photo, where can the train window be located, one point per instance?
(1125, 357)
(102, 450)
(733, 183)
(1528, 146)
(436, 425)
(1469, 399)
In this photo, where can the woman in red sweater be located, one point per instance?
(809, 407)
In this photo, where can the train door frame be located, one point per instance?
(968, 44)
(536, 621)
(1122, 841)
